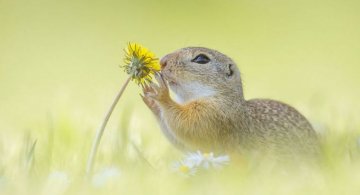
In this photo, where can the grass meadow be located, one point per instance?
(59, 72)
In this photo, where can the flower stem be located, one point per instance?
(100, 131)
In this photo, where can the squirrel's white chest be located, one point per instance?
(188, 92)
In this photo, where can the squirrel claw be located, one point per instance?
(147, 89)
(157, 92)
(150, 103)
(160, 79)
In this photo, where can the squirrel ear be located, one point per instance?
(229, 70)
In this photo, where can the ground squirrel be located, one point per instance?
(210, 112)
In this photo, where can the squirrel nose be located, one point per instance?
(163, 62)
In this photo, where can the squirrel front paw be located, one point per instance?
(157, 92)
(149, 101)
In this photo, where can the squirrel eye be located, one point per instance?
(201, 59)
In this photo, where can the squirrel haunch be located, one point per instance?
(211, 114)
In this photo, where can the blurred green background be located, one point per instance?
(63, 56)
(59, 60)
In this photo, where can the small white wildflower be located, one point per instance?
(206, 160)
(220, 161)
(105, 177)
(195, 157)
(56, 183)
(185, 168)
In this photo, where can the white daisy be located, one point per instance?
(207, 160)
(185, 168)
(105, 176)
(195, 157)
(220, 161)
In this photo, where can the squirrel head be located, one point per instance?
(196, 72)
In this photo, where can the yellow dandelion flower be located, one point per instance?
(140, 63)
